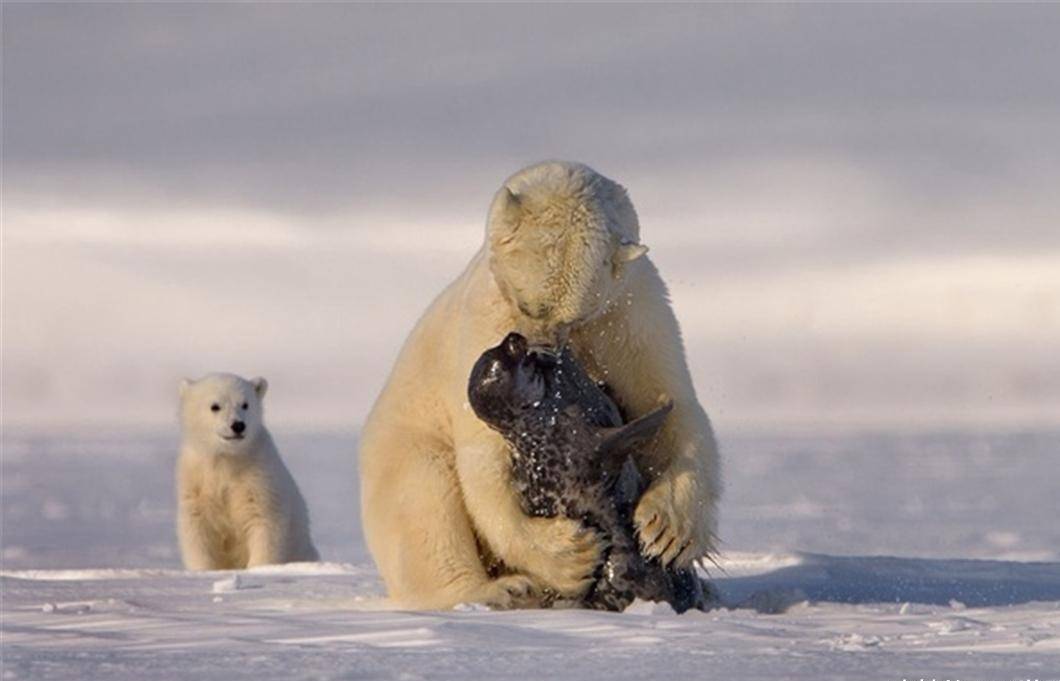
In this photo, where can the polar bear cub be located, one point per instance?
(238, 505)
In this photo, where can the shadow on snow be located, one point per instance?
(883, 579)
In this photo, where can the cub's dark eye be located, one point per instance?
(215, 407)
(244, 406)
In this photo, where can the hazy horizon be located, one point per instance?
(855, 207)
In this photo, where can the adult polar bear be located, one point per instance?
(561, 263)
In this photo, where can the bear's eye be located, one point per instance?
(244, 406)
(215, 407)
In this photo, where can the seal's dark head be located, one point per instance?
(507, 379)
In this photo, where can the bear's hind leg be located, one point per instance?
(419, 533)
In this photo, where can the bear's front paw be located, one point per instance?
(668, 531)
(564, 554)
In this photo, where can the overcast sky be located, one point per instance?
(856, 206)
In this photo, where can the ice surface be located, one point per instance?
(92, 586)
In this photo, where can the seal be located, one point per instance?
(573, 455)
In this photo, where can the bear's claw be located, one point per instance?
(512, 591)
(566, 555)
(667, 534)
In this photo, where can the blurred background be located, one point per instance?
(856, 207)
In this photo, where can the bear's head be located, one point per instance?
(222, 412)
(560, 237)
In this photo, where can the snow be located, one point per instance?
(876, 556)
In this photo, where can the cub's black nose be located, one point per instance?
(238, 427)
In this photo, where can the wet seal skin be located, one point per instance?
(573, 456)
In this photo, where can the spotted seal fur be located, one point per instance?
(573, 456)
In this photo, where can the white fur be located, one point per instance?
(238, 505)
(561, 263)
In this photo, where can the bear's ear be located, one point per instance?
(628, 252)
(507, 211)
(185, 383)
(260, 386)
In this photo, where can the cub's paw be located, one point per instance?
(564, 554)
(670, 531)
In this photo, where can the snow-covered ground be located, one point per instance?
(92, 586)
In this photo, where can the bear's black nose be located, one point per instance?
(238, 427)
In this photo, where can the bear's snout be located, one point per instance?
(238, 427)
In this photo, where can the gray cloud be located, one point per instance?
(313, 107)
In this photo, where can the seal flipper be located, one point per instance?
(617, 443)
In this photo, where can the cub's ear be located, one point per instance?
(628, 252)
(185, 383)
(260, 386)
(505, 215)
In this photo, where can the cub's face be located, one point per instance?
(222, 412)
(556, 263)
